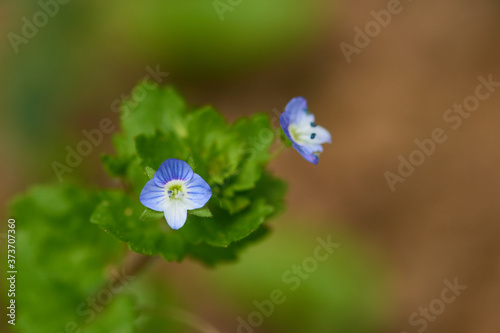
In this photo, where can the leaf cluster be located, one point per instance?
(231, 157)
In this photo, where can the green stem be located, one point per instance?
(134, 264)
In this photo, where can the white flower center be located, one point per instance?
(175, 189)
(303, 133)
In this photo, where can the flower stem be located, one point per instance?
(134, 264)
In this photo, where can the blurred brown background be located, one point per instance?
(441, 223)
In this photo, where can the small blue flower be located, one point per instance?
(174, 190)
(299, 126)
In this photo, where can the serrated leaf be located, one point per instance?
(267, 199)
(151, 215)
(201, 212)
(213, 145)
(211, 255)
(256, 137)
(155, 149)
(191, 163)
(119, 215)
(235, 204)
(115, 166)
(158, 109)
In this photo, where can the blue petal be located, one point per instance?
(198, 191)
(153, 196)
(176, 213)
(307, 153)
(285, 123)
(296, 113)
(173, 169)
(297, 110)
(296, 106)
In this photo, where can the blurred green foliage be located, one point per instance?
(194, 38)
(67, 265)
(347, 292)
(61, 256)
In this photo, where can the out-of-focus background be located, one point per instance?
(391, 87)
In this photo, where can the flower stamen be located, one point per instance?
(175, 191)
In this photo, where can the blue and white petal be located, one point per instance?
(309, 133)
(176, 213)
(198, 191)
(173, 169)
(153, 196)
(311, 155)
(300, 127)
(297, 110)
(322, 135)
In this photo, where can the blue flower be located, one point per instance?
(299, 126)
(174, 190)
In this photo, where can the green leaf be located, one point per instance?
(255, 137)
(213, 145)
(153, 109)
(267, 199)
(157, 109)
(191, 163)
(115, 166)
(225, 228)
(235, 204)
(150, 215)
(150, 172)
(212, 255)
(201, 212)
(155, 149)
(119, 215)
